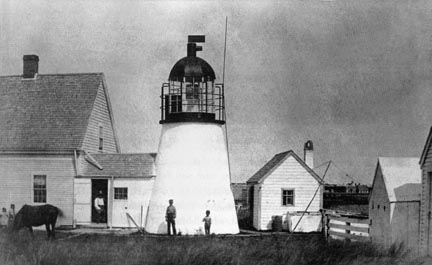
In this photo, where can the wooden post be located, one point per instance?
(141, 216)
(327, 226)
(348, 231)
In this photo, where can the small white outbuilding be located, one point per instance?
(394, 203)
(285, 186)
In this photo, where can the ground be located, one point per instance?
(83, 247)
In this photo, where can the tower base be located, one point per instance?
(192, 169)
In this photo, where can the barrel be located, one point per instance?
(277, 223)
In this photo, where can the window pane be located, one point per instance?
(100, 143)
(120, 193)
(40, 180)
(287, 197)
(39, 188)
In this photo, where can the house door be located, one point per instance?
(99, 186)
(83, 203)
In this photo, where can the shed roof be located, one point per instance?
(120, 165)
(402, 178)
(426, 148)
(277, 160)
(49, 112)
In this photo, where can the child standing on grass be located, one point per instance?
(11, 215)
(207, 222)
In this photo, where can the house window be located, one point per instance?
(39, 188)
(288, 197)
(100, 138)
(120, 193)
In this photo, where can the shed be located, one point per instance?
(285, 186)
(426, 198)
(126, 181)
(394, 204)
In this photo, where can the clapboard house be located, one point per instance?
(285, 186)
(426, 198)
(55, 130)
(394, 204)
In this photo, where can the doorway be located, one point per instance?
(99, 185)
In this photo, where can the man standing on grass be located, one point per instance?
(170, 217)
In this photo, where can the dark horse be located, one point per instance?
(30, 216)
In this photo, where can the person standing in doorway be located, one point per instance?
(170, 217)
(207, 222)
(99, 206)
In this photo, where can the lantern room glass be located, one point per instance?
(192, 100)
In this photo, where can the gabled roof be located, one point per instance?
(49, 112)
(277, 160)
(119, 165)
(426, 148)
(402, 178)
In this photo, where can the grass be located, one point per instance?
(97, 249)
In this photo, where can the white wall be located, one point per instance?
(17, 181)
(379, 217)
(405, 224)
(426, 207)
(139, 192)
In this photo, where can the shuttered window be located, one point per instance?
(39, 188)
(287, 197)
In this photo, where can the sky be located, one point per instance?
(352, 76)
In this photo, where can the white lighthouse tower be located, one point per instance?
(192, 161)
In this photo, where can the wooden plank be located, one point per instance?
(349, 236)
(350, 227)
(348, 219)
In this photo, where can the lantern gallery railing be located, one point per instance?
(187, 101)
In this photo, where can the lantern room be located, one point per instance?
(191, 94)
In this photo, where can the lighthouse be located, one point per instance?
(192, 166)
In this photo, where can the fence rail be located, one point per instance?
(340, 226)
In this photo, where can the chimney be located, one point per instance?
(31, 65)
(308, 153)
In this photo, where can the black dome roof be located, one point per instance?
(192, 66)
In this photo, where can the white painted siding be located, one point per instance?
(405, 224)
(17, 181)
(425, 208)
(100, 116)
(392, 222)
(83, 202)
(380, 230)
(139, 192)
(289, 175)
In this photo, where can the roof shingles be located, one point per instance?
(263, 172)
(121, 165)
(49, 112)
